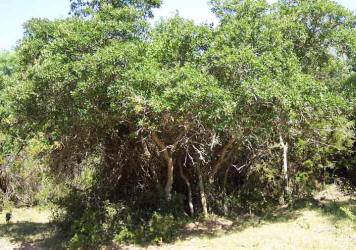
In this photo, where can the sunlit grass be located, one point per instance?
(28, 227)
(312, 230)
(308, 224)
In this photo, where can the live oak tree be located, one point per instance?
(258, 103)
(262, 52)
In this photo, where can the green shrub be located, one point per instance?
(161, 228)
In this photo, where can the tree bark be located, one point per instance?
(226, 210)
(187, 183)
(169, 158)
(170, 167)
(202, 192)
(221, 160)
(284, 146)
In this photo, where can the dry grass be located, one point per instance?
(319, 223)
(29, 228)
(311, 230)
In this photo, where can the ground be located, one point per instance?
(29, 228)
(325, 222)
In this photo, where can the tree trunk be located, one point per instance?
(284, 146)
(169, 184)
(145, 149)
(226, 209)
(202, 192)
(169, 158)
(187, 183)
(170, 167)
(221, 160)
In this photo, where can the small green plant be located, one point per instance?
(348, 213)
(124, 236)
(161, 228)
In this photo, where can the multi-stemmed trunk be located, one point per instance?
(168, 156)
(170, 167)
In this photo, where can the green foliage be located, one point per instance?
(161, 228)
(142, 8)
(93, 221)
(8, 63)
(348, 213)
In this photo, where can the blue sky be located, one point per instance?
(13, 13)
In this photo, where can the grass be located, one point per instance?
(325, 222)
(306, 228)
(29, 228)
